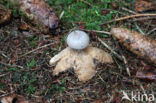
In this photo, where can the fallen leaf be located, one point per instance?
(115, 5)
(24, 26)
(145, 66)
(82, 26)
(144, 5)
(105, 12)
(98, 101)
(13, 99)
(5, 14)
(27, 34)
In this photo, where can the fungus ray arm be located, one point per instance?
(59, 56)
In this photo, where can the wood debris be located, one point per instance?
(137, 43)
(14, 98)
(150, 76)
(145, 5)
(41, 14)
(5, 14)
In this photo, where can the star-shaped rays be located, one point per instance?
(81, 60)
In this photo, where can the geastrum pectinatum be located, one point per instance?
(79, 56)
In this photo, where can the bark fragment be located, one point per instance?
(145, 5)
(39, 12)
(14, 98)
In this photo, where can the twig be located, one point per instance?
(151, 31)
(105, 32)
(127, 68)
(114, 11)
(140, 30)
(1, 91)
(7, 94)
(77, 22)
(4, 55)
(143, 18)
(116, 54)
(128, 17)
(87, 3)
(130, 11)
(61, 15)
(2, 75)
(124, 59)
(12, 66)
(101, 78)
(44, 46)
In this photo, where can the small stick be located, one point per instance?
(130, 11)
(101, 78)
(7, 94)
(76, 22)
(128, 17)
(2, 75)
(115, 11)
(151, 31)
(124, 60)
(143, 18)
(61, 15)
(4, 55)
(127, 68)
(44, 46)
(116, 54)
(12, 66)
(87, 3)
(1, 91)
(140, 30)
(105, 32)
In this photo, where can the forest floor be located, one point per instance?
(24, 61)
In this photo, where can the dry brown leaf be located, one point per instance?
(81, 60)
(13, 99)
(5, 14)
(98, 101)
(137, 43)
(144, 5)
(24, 26)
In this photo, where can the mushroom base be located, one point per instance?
(82, 61)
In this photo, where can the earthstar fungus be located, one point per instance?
(79, 56)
